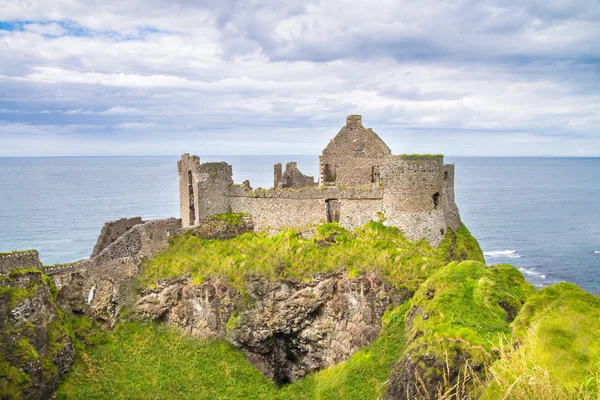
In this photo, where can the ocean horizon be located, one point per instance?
(537, 213)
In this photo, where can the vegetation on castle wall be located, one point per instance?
(372, 247)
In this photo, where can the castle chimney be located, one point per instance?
(354, 121)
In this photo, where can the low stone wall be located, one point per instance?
(113, 230)
(309, 193)
(19, 259)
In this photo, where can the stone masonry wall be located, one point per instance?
(292, 177)
(359, 181)
(187, 168)
(113, 230)
(350, 171)
(413, 196)
(19, 259)
(451, 214)
(203, 188)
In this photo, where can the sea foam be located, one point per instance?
(502, 254)
(532, 272)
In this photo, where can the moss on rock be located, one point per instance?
(457, 316)
(556, 352)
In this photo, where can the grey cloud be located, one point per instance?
(235, 77)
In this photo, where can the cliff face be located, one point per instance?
(35, 349)
(287, 328)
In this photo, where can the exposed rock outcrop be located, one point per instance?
(35, 349)
(290, 328)
(102, 285)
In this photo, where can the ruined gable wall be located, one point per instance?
(113, 230)
(354, 140)
(351, 155)
(19, 259)
(293, 178)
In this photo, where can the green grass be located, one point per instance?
(420, 156)
(470, 302)
(150, 361)
(460, 314)
(558, 332)
(373, 247)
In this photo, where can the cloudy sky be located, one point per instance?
(458, 77)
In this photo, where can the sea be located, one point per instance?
(540, 214)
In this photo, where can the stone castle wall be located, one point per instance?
(292, 177)
(19, 259)
(359, 181)
(351, 171)
(113, 230)
(451, 213)
(187, 169)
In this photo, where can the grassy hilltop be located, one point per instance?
(469, 330)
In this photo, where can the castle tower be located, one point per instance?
(353, 157)
(203, 189)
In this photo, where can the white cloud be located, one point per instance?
(52, 29)
(508, 77)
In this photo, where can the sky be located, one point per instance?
(459, 77)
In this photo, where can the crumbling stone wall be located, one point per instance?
(102, 285)
(417, 196)
(451, 214)
(203, 188)
(277, 209)
(113, 230)
(19, 259)
(292, 177)
(188, 172)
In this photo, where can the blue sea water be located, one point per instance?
(539, 214)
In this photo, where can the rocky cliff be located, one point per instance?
(35, 347)
(287, 328)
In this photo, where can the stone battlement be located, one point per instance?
(359, 180)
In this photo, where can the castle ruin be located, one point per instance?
(359, 180)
